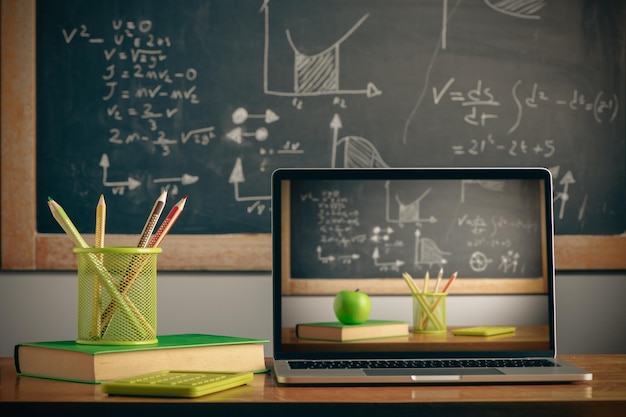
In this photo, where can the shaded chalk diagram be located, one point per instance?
(344, 240)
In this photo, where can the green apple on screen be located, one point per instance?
(352, 307)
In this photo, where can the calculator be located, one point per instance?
(484, 331)
(177, 383)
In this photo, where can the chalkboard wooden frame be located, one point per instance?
(23, 248)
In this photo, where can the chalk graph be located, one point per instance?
(316, 74)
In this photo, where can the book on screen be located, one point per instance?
(339, 332)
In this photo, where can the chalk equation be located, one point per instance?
(211, 100)
(391, 226)
(480, 107)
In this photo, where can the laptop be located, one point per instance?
(361, 230)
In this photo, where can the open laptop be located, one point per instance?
(348, 229)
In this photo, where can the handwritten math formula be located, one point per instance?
(135, 72)
(480, 108)
(208, 98)
(409, 226)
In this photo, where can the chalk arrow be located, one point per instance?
(236, 176)
(567, 179)
(335, 125)
(372, 90)
(186, 179)
(131, 183)
(240, 115)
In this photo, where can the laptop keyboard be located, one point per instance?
(421, 363)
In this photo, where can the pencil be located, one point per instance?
(449, 283)
(426, 279)
(409, 281)
(439, 277)
(167, 224)
(101, 214)
(445, 291)
(121, 300)
(156, 240)
(148, 228)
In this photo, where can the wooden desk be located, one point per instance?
(604, 396)
(525, 338)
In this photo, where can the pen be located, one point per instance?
(101, 214)
(148, 228)
(127, 306)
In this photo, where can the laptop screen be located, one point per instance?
(367, 230)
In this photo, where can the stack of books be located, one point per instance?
(71, 361)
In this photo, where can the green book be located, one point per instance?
(339, 332)
(68, 360)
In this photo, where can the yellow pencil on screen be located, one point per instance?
(439, 277)
(426, 279)
(446, 288)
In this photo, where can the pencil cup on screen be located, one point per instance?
(429, 313)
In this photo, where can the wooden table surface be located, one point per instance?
(525, 338)
(605, 395)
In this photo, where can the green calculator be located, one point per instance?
(177, 383)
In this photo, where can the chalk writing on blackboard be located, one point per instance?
(207, 98)
(487, 228)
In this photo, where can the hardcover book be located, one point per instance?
(68, 360)
(339, 332)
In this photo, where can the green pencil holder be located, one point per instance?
(429, 313)
(117, 295)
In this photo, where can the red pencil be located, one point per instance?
(450, 281)
(167, 223)
(156, 240)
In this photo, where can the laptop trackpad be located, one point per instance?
(432, 372)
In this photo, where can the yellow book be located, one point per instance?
(339, 332)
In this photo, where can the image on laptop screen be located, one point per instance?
(347, 230)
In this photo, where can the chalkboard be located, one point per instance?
(378, 228)
(206, 98)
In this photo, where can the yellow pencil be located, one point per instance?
(426, 279)
(409, 281)
(126, 305)
(419, 296)
(439, 278)
(101, 215)
(156, 240)
(445, 291)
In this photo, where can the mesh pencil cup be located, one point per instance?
(429, 313)
(117, 302)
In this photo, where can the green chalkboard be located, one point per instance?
(380, 228)
(206, 98)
